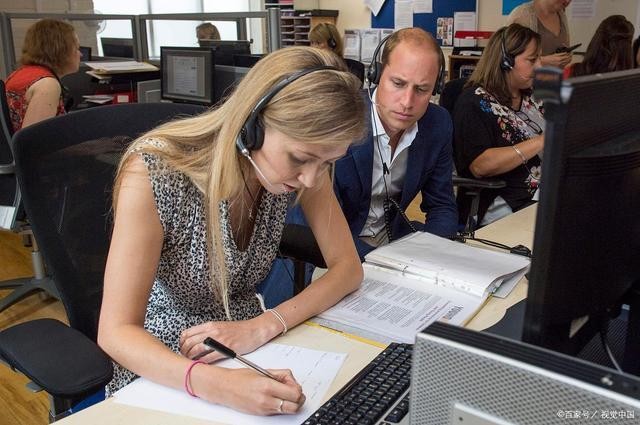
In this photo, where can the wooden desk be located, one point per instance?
(512, 230)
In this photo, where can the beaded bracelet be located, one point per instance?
(187, 378)
(280, 319)
(519, 152)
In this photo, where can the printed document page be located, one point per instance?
(397, 307)
(313, 369)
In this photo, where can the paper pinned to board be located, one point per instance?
(374, 5)
(314, 370)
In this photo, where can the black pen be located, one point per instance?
(228, 352)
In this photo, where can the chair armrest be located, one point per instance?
(60, 359)
(298, 243)
(7, 169)
(478, 183)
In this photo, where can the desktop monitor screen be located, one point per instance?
(245, 60)
(587, 237)
(226, 49)
(117, 47)
(187, 74)
(86, 53)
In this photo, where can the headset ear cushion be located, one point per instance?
(373, 73)
(247, 136)
(259, 135)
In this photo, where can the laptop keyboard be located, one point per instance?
(378, 394)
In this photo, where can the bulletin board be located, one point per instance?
(426, 21)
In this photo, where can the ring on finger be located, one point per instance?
(280, 405)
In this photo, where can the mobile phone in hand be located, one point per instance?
(565, 49)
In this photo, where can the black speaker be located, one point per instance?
(252, 132)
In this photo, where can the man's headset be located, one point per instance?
(507, 61)
(251, 135)
(374, 70)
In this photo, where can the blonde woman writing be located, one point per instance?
(199, 209)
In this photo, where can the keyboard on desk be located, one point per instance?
(378, 394)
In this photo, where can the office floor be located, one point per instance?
(18, 405)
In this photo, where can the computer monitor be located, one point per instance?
(187, 74)
(148, 91)
(227, 78)
(85, 52)
(246, 60)
(587, 239)
(117, 47)
(226, 49)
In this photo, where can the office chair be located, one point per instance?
(299, 245)
(12, 217)
(469, 189)
(356, 68)
(65, 166)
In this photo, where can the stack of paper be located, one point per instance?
(119, 67)
(419, 279)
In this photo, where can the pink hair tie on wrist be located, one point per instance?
(187, 378)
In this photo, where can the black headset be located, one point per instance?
(331, 42)
(507, 61)
(251, 135)
(374, 70)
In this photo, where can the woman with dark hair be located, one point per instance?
(498, 126)
(609, 50)
(34, 92)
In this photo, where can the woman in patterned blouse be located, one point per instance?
(198, 221)
(498, 126)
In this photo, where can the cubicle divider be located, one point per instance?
(248, 24)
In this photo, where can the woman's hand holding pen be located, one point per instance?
(243, 336)
(247, 391)
(243, 389)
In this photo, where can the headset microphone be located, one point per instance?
(245, 152)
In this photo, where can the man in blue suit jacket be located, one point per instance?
(408, 150)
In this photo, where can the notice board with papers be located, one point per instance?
(426, 21)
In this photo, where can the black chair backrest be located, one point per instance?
(356, 68)
(450, 93)
(8, 183)
(66, 166)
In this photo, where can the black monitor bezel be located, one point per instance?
(209, 55)
(117, 42)
(567, 324)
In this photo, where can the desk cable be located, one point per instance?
(518, 249)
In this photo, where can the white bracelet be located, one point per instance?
(519, 152)
(280, 319)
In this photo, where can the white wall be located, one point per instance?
(353, 13)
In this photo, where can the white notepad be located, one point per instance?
(313, 369)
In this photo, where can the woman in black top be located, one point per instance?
(498, 126)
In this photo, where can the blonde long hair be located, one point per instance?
(323, 108)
